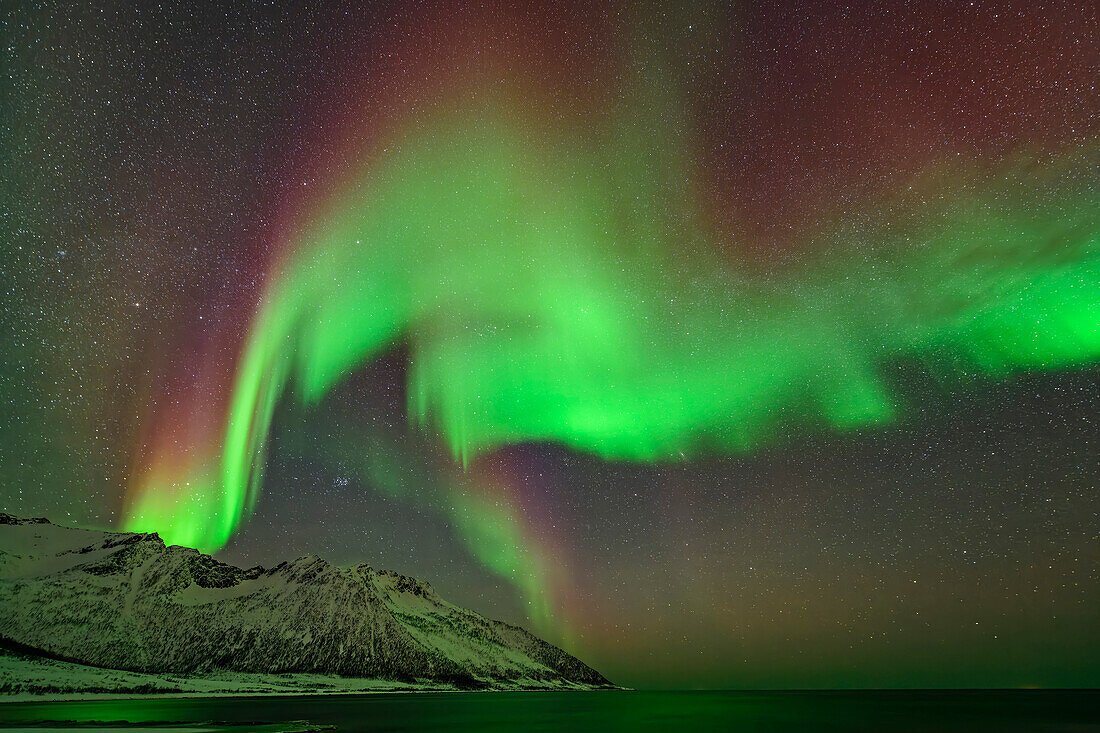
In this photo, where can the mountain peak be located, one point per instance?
(10, 519)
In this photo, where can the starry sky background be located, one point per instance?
(148, 156)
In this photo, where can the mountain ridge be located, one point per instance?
(127, 601)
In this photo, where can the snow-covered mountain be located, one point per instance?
(126, 601)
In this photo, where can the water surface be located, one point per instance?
(688, 712)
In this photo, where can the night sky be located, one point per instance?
(725, 346)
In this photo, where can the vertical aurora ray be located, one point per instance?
(559, 281)
(487, 509)
(497, 507)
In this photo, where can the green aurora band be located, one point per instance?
(535, 312)
(566, 287)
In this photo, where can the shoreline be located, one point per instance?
(29, 679)
(189, 694)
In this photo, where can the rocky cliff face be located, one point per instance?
(126, 601)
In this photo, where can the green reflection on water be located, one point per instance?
(640, 711)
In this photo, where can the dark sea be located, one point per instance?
(684, 712)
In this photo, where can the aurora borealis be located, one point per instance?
(694, 333)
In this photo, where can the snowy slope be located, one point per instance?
(126, 601)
